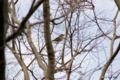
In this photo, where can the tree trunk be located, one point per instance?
(50, 51)
(3, 29)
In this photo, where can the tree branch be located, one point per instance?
(109, 62)
(20, 29)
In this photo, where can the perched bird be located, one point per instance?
(59, 38)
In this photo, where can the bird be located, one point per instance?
(59, 38)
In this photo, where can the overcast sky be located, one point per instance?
(108, 6)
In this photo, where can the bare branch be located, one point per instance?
(20, 29)
(109, 62)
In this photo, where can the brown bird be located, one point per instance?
(59, 38)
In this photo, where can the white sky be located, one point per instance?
(110, 9)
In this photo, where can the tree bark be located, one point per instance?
(3, 29)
